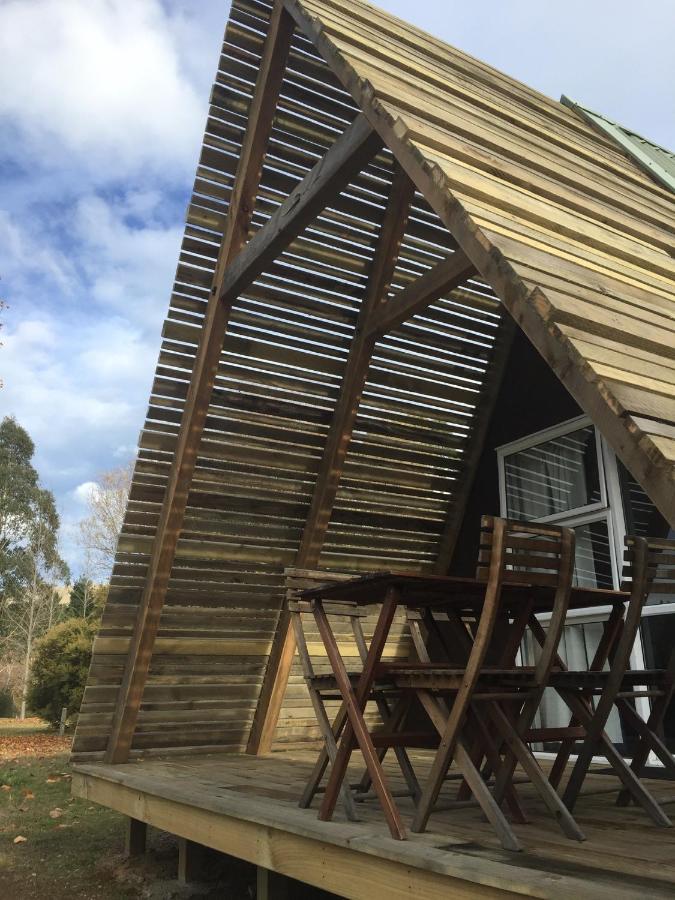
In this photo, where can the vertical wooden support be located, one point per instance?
(482, 416)
(135, 837)
(337, 443)
(242, 203)
(271, 885)
(191, 858)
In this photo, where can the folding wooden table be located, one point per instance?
(414, 592)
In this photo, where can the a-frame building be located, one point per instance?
(380, 226)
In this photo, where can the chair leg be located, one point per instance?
(471, 774)
(355, 727)
(493, 762)
(328, 754)
(649, 740)
(628, 777)
(521, 752)
(647, 734)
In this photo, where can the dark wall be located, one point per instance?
(530, 398)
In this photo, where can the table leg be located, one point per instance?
(355, 701)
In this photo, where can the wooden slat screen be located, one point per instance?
(282, 361)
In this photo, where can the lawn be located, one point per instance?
(57, 847)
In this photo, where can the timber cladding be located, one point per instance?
(577, 243)
(277, 388)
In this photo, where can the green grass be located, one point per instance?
(75, 852)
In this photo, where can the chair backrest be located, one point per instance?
(649, 569)
(660, 564)
(349, 615)
(531, 553)
(534, 554)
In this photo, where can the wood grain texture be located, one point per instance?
(247, 806)
(574, 240)
(527, 187)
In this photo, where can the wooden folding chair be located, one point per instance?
(650, 569)
(322, 688)
(521, 554)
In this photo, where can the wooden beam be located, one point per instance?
(191, 858)
(343, 161)
(242, 201)
(476, 443)
(434, 284)
(337, 443)
(348, 155)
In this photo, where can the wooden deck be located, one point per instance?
(247, 807)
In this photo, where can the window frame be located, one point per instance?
(542, 437)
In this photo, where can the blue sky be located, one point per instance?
(102, 106)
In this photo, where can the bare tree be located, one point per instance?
(100, 528)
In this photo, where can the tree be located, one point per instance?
(18, 492)
(86, 599)
(60, 666)
(31, 567)
(100, 529)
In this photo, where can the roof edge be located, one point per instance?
(620, 136)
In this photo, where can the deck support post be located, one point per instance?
(135, 837)
(337, 443)
(190, 861)
(234, 273)
(271, 885)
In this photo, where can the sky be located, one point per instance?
(102, 108)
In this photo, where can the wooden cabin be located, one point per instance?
(411, 291)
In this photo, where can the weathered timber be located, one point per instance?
(335, 451)
(438, 282)
(201, 384)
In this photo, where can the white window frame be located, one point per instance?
(582, 515)
(609, 508)
(541, 437)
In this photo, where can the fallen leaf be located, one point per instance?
(56, 813)
(23, 808)
(41, 744)
(52, 779)
(6, 787)
(20, 839)
(28, 794)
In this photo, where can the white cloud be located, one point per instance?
(85, 491)
(24, 256)
(101, 80)
(129, 267)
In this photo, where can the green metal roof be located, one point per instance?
(656, 161)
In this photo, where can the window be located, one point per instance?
(568, 475)
(558, 476)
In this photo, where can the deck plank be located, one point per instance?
(625, 855)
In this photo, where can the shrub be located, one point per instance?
(7, 710)
(59, 669)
